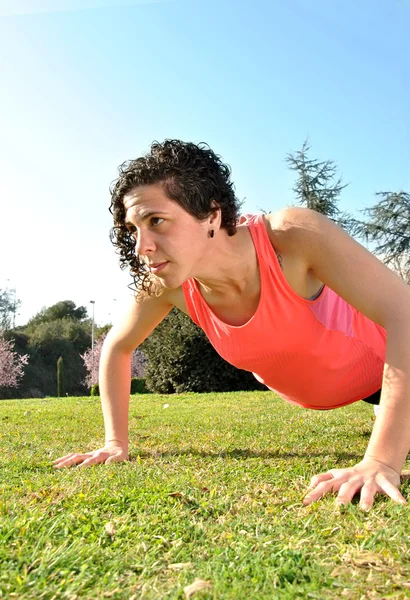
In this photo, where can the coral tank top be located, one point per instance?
(320, 353)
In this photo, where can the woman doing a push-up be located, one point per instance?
(288, 296)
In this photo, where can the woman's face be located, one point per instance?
(173, 243)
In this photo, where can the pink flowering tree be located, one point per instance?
(92, 363)
(11, 364)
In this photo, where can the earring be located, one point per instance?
(211, 233)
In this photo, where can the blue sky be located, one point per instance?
(87, 85)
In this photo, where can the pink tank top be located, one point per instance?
(320, 353)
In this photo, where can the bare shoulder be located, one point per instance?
(312, 239)
(284, 223)
(295, 265)
(301, 231)
(332, 256)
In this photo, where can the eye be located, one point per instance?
(131, 228)
(154, 221)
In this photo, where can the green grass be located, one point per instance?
(213, 491)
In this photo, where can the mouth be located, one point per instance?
(156, 267)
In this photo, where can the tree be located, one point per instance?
(76, 332)
(47, 341)
(65, 309)
(60, 377)
(60, 330)
(389, 228)
(8, 308)
(91, 360)
(317, 186)
(11, 364)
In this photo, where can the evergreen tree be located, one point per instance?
(317, 186)
(66, 309)
(60, 377)
(388, 228)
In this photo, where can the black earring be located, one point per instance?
(211, 233)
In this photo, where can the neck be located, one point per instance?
(231, 267)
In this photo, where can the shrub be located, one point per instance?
(138, 386)
(181, 359)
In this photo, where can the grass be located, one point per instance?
(213, 491)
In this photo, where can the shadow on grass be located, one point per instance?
(17, 467)
(243, 453)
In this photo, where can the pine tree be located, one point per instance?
(60, 377)
(388, 228)
(317, 186)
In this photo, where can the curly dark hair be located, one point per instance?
(192, 175)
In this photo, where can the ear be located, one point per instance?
(215, 217)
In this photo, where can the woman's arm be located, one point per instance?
(115, 379)
(379, 471)
(372, 288)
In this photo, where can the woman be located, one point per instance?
(289, 296)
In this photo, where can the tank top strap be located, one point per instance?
(269, 267)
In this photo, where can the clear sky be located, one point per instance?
(87, 84)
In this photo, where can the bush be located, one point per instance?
(138, 386)
(181, 359)
(95, 390)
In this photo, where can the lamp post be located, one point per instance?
(92, 339)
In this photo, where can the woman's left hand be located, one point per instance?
(369, 477)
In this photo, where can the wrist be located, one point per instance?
(115, 442)
(383, 463)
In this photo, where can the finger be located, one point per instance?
(316, 479)
(93, 460)
(347, 491)
(63, 458)
(367, 495)
(391, 490)
(75, 459)
(320, 490)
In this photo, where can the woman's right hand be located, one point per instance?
(109, 454)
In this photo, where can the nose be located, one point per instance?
(145, 243)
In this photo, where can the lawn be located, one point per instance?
(213, 491)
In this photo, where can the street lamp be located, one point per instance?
(92, 338)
